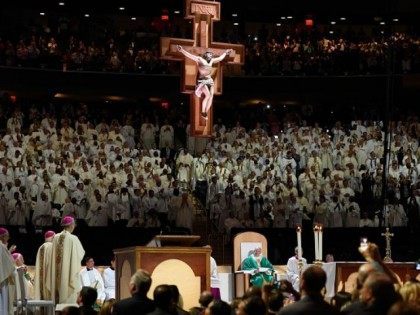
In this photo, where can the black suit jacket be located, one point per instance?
(164, 152)
(136, 305)
(309, 306)
(159, 311)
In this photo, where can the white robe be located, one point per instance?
(7, 269)
(42, 268)
(293, 273)
(93, 279)
(109, 283)
(67, 254)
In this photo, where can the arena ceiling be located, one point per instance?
(251, 10)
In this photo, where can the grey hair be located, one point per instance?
(142, 280)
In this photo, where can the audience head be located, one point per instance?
(70, 310)
(140, 283)
(87, 297)
(378, 290)
(106, 308)
(218, 307)
(410, 292)
(313, 280)
(163, 298)
(253, 305)
(205, 298)
(402, 308)
(275, 302)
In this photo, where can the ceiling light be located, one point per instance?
(395, 20)
(282, 18)
(133, 18)
(177, 12)
(342, 18)
(331, 32)
(382, 23)
(236, 23)
(234, 14)
(61, 3)
(122, 8)
(333, 22)
(87, 15)
(42, 13)
(278, 24)
(290, 17)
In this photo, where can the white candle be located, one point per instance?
(316, 241)
(320, 243)
(299, 242)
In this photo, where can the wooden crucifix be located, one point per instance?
(203, 14)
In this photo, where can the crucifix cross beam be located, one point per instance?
(203, 14)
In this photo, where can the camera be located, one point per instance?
(363, 243)
(418, 264)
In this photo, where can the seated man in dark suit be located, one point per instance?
(139, 303)
(164, 301)
(312, 302)
(86, 301)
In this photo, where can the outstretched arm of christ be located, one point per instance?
(187, 54)
(222, 56)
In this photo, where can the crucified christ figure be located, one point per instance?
(205, 84)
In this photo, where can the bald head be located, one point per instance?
(378, 289)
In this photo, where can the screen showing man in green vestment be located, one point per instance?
(260, 269)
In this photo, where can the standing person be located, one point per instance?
(90, 277)
(67, 254)
(42, 267)
(109, 281)
(293, 270)
(7, 269)
(214, 279)
(205, 83)
(312, 302)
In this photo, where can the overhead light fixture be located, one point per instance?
(177, 12)
(133, 18)
(382, 23)
(278, 24)
(42, 13)
(290, 17)
(331, 32)
(61, 3)
(234, 14)
(395, 19)
(87, 15)
(282, 18)
(342, 18)
(333, 22)
(236, 23)
(122, 8)
(382, 32)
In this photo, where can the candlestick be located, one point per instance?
(316, 242)
(320, 243)
(299, 241)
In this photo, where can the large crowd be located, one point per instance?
(137, 173)
(271, 52)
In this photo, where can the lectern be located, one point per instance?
(179, 263)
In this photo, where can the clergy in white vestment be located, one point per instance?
(28, 283)
(67, 254)
(109, 281)
(7, 269)
(43, 267)
(90, 277)
(293, 271)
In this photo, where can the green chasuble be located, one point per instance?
(259, 278)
